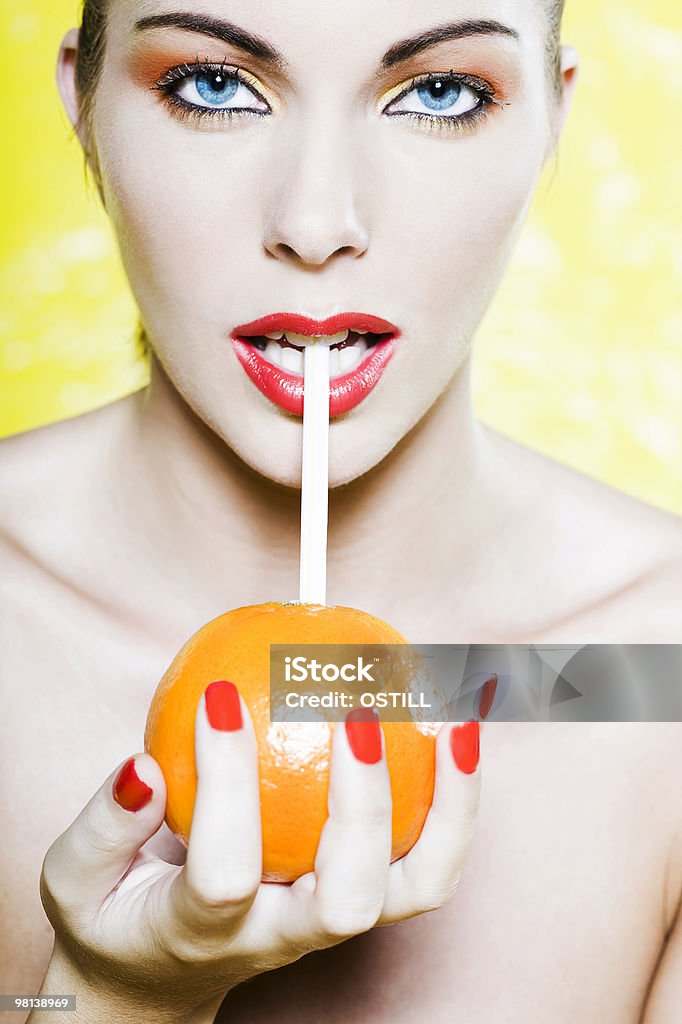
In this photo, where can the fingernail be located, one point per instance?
(222, 706)
(364, 734)
(129, 791)
(464, 745)
(487, 695)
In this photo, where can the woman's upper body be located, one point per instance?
(573, 884)
(363, 161)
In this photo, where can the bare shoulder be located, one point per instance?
(646, 604)
(53, 501)
(648, 607)
(50, 454)
(47, 474)
(617, 558)
(593, 506)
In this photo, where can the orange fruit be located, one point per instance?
(293, 756)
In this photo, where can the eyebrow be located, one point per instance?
(456, 30)
(227, 32)
(218, 29)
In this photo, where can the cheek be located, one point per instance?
(457, 206)
(183, 206)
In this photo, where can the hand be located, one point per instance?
(178, 936)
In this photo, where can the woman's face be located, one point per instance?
(332, 176)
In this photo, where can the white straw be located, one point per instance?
(315, 474)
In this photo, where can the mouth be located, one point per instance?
(272, 351)
(286, 349)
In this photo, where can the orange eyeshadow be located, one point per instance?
(491, 62)
(149, 62)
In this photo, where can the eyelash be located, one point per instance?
(166, 85)
(460, 122)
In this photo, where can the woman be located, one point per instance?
(367, 167)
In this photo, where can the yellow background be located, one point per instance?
(581, 353)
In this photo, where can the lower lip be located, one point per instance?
(286, 389)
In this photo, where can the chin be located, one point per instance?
(282, 465)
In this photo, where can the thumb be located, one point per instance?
(85, 863)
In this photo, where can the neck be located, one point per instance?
(399, 537)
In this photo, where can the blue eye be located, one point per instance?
(211, 89)
(444, 97)
(216, 87)
(439, 95)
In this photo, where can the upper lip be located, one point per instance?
(299, 324)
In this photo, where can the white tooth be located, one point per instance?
(352, 356)
(335, 339)
(306, 339)
(334, 363)
(297, 339)
(273, 353)
(359, 331)
(275, 335)
(292, 360)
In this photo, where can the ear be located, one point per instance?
(66, 83)
(66, 79)
(569, 62)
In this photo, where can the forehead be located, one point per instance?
(341, 33)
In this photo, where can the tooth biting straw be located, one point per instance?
(315, 473)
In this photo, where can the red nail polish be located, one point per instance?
(129, 791)
(223, 707)
(487, 695)
(464, 744)
(364, 734)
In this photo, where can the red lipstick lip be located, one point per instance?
(285, 389)
(314, 328)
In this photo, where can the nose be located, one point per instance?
(314, 215)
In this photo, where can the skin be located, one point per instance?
(298, 210)
(286, 213)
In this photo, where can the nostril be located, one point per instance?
(282, 251)
(287, 250)
(313, 256)
(350, 250)
(314, 248)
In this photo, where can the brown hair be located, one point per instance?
(91, 40)
(555, 12)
